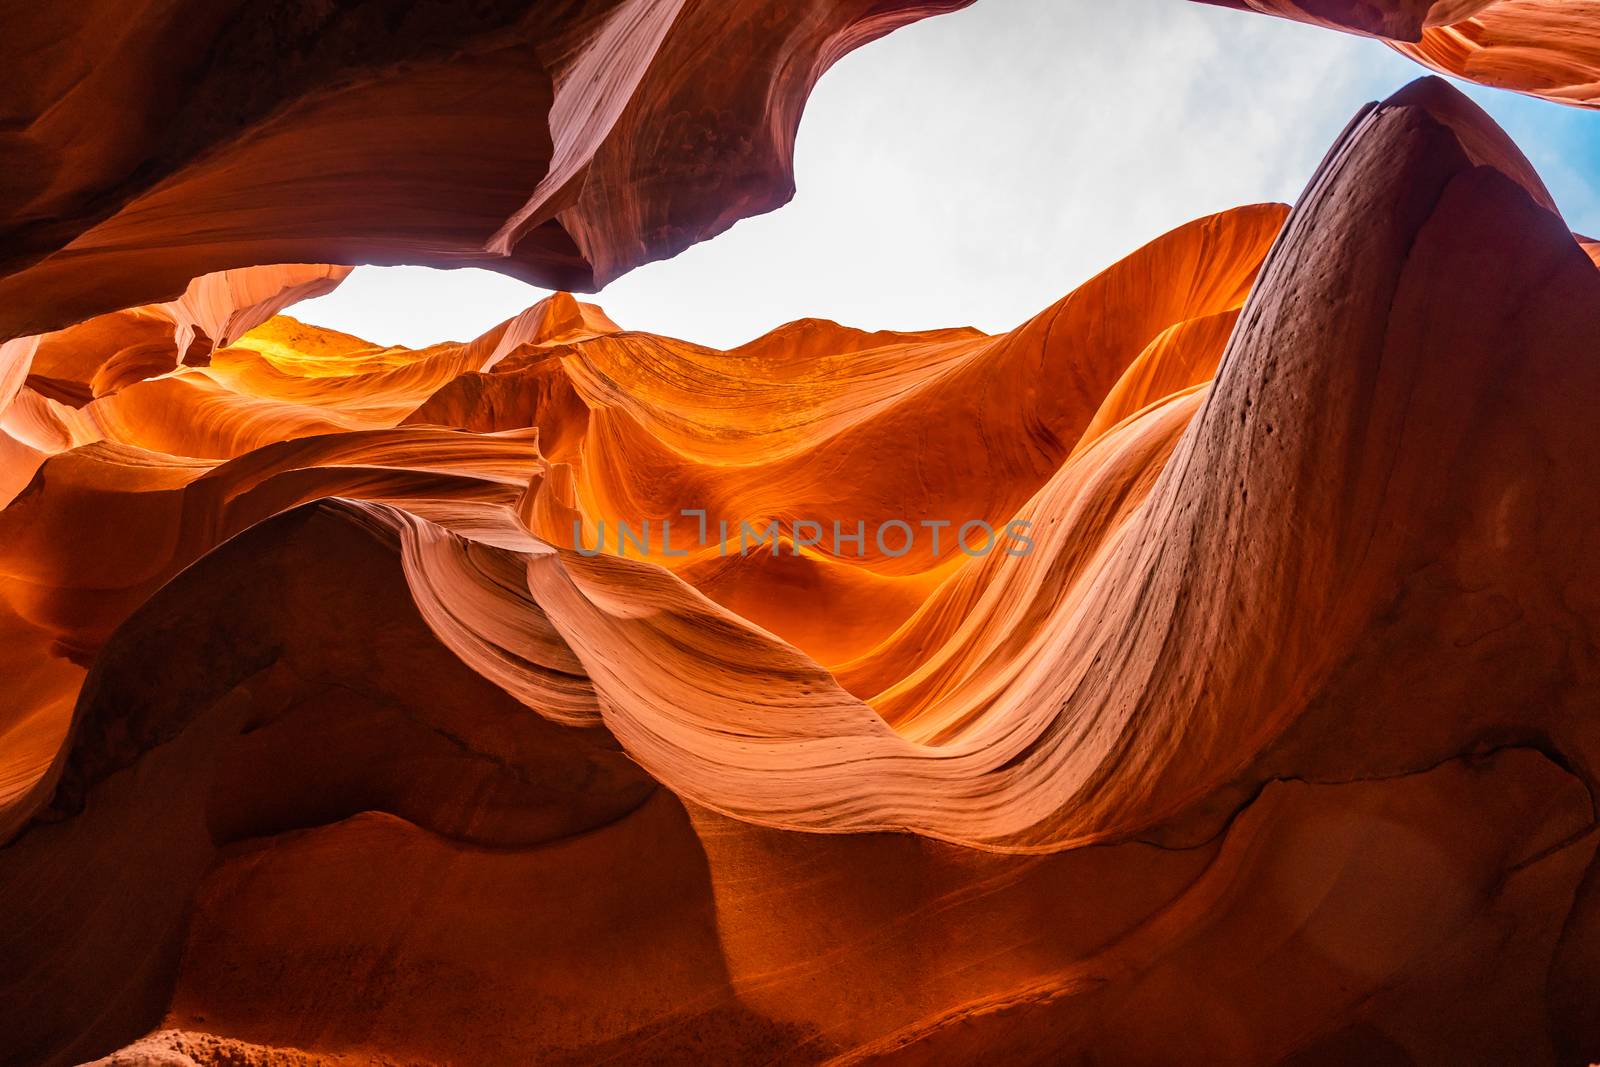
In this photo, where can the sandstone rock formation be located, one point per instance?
(1546, 48)
(561, 142)
(329, 736)
(331, 739)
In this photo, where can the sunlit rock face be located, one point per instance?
(342, 725)
(1546, 48)
(1204, 671)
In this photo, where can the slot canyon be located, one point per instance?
(1247, 710)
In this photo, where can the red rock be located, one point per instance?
(563, 144)
(325, 740)
(1546, 48)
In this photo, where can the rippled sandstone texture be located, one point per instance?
(1546, 48)
(324, 742)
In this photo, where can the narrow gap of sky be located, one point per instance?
(972, 168)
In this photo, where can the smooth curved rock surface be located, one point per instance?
(561, 143)
(338, 742)
(1545, 48)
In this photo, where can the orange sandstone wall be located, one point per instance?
(326, 739)
(333, 747)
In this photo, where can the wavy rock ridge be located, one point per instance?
(336, 743)
(562, 143)
(1545, 48)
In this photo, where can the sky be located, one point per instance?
(971, 169)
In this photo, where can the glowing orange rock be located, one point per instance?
(332, 733)
(1546, 48)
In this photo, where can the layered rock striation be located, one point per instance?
(348, 729)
